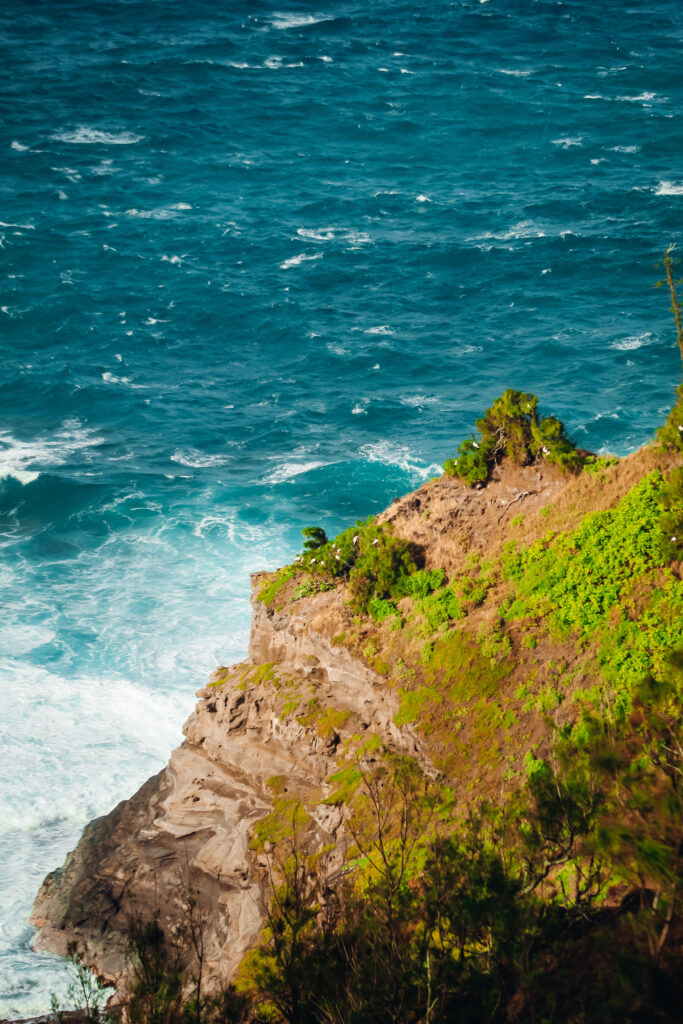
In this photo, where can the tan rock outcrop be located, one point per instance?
(191, 824)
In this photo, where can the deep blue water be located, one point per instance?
(262, 265)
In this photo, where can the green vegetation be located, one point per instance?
(671, 434)
(272, 588)
(575, 579)
(380, 609)
(315, 537)
(512, 428)
(423, 582)
(511, 913)
(375, 564)
(598, 463)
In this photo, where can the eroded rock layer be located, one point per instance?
(191, 825)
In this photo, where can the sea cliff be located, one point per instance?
(464, 678)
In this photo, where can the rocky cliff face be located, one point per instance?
(192, 824)
(277, 728)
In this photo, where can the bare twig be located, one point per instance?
(520, 497)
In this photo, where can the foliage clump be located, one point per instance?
(374, 562)
(566, 904)
(671, 434)
(577, 577)
(315, 537)
(512, 428)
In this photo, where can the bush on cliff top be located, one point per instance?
(512, 428)
(374, 562)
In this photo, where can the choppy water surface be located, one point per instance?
(261, 267)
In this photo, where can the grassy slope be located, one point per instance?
(539, 611)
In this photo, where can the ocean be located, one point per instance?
(262, 266)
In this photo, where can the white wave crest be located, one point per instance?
(380, 329)
(26, 227)
(196, 459)
(334, 234)
(633, 342)
(288, 470)
(24, 476)
(669, 188)
(285, 21)
(161, 213)
(391, 454)
(418, 401)
(643, 97)
(279, 62)
(111, 378)
(568, 141)
(23, 460)
(148, 724)
(86, 136)
(18, 147)
(303, 257)
(522, 229)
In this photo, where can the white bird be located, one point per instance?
(475, 444)
(545, 450)
(313, 560)
(376, 540)
(355, 539)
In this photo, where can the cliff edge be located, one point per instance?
(459, 674)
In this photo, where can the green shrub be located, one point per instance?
(315, 538)
(380, 609)
(551, 442)
(671, 434)
(440, 607)
(511, 427)
(423, 582)
(473, 463)
(494, 642)
(579, 576)
(597, 463)
(671, 499)
(473, 591)
(369, 556)
(305, 589)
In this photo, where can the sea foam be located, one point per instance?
(392, 454)
(23, 460)
(86, 136)
(669, 188)
(286, 21)
(289, 470)
(197, 459)
(303, 257)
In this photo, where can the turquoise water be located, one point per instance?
(262, 265)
